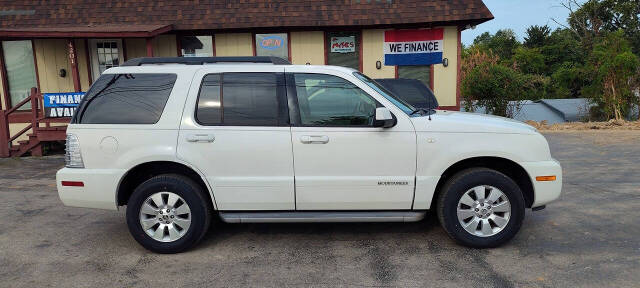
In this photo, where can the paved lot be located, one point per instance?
(590, 238)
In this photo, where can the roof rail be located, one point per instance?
(204, 60)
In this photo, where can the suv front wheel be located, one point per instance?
(168, 213)
(481, 208)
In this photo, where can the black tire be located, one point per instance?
(458, 185)
(193, 195)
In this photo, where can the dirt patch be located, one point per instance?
(608, 125)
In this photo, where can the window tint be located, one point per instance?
(127, 99)
(209, 110)
(326, 100)
(243, 99)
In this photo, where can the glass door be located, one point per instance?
(105, 53)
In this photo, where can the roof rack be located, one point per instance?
(204, 60)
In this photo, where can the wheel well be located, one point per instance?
(502, 165)
(146, 171)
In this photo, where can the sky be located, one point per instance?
(518, 15)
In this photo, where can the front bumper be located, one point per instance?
(544, 191)
(98, 190)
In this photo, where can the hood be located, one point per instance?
(463, 122)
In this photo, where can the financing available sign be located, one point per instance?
(413, 47)
(61, 104)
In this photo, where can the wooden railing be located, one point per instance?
(6, 139)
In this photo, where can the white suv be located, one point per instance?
(255, 139)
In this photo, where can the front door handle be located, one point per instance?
(201, 138)
(314, 139)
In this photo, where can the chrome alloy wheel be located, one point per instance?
(484, 211)
(165, 216)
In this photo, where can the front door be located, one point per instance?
(341, 161)
(105, 53)
(235, 129)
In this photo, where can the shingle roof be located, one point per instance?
(239, 14)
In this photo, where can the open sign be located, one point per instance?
(272, 42)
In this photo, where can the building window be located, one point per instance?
(21, 70)
(196, 46)
(422, 73)
(343, 49)
(105, 53)
(275, 44)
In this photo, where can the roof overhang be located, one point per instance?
(97, 31)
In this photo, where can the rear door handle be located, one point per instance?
(314, 139)
(201, 138)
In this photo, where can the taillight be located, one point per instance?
(73, 157)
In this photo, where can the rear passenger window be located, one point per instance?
(126, 99)
(241, 99)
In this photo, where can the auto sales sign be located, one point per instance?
(61, 104)
(413, 47)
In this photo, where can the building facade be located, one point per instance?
(63, 46)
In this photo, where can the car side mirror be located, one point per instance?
(384, 118)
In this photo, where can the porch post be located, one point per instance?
(4, 119)
(149, 47)
(35, 100)
(73, 59)
(4, 82)
(4, 135)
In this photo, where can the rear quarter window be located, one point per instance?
(126, 99)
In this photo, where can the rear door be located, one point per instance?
(235, 129)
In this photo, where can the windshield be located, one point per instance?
(403, 105)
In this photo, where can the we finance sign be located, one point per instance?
(413, 47)
(61, 104)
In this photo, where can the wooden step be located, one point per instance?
(53, 128)
(25, 146)
(53, 135)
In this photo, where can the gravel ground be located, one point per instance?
(574, 126)
(589, 238)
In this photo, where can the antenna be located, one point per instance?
(429, 104)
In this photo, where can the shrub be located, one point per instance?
(493, 86)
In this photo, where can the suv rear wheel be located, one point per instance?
(481, 208)
(168, 213)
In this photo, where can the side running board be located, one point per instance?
(301, 217)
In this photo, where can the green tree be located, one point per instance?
(503, 43)
(537, 36)
(594, 17)
(529, 60)
(615, 74)
(562, 47)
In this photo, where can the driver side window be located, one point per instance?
(326, 100)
